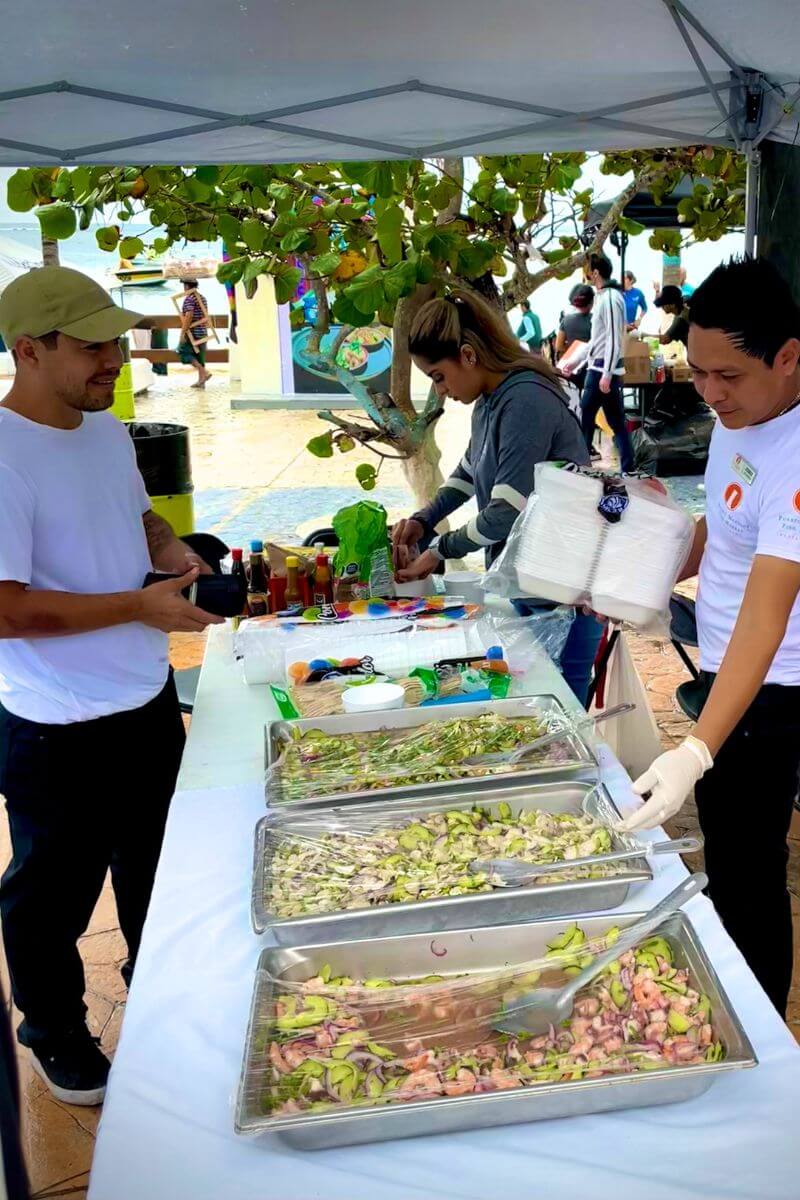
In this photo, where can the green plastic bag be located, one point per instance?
(363, 563)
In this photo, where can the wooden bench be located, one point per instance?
(214, 352)
(218, 355)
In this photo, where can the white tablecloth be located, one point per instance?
(167, 1128)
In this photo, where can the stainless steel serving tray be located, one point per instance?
(501, 907)
(550, 708)
(467, 950)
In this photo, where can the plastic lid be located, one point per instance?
(292, 561)
(494, 653)
(373, 697)
(257, 546)
(236, 555)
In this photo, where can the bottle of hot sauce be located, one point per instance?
(258, 589)
(294, 596)
(240, 575)
(323, 581)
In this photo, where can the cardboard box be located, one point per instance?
(636, 354)
(681, 373)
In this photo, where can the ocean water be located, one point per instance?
(22, 240)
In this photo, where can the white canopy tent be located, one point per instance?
(302, 80)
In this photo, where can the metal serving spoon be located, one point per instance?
(536, 1010)
(547, 739)
(514, 873)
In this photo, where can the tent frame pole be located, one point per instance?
(677, 17)
(751, 198)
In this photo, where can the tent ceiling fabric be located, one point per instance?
(269, 81)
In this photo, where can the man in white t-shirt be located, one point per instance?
(90, 730)
(744, 753)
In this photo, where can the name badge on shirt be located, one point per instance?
(744, 469)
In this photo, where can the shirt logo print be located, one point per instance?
(733, 496)
(796, 501)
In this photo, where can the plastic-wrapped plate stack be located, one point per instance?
(565, 550)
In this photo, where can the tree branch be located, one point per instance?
(323, 321)
(524, 282)
(341, 338)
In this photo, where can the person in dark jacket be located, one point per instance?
(521, 417)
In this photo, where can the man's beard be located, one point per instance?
(83, 402)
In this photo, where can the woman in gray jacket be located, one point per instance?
(521, 417)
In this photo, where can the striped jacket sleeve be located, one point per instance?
(454, 492)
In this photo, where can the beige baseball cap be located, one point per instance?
(57, 299)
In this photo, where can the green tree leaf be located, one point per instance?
(295, 241)
(129, 247)
(503, 201)
(254, 268)
(366, 291)
(286, 280)
(629, 226)
(374, 177)
(326, 264)
(62, 187)
(107, 237)
(81, 182)
(208, 175)
(346, 313)
(442, 194)
(388, 228)
(400, 281)
(345, 444)
(231, 271)
(20, 194)
(229, 228)
(253, 234)
(367, 476)
(474, 258)
(58, 221)
(196, 190)
(321, 446)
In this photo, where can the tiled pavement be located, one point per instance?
(236, 458)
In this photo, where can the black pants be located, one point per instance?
(592, 401)
(745, 806)
(80, 798)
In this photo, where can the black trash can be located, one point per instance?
(164, 460)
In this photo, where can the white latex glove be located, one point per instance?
(669, 781)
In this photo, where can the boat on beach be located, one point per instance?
(140, 274)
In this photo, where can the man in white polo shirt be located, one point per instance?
(90, 730)
(743, 757)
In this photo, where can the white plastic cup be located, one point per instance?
(466, 584)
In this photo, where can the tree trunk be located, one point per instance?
(407, 308)
(422, 470)
(50, 253)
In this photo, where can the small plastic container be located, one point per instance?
(466, 584)
(373, 697)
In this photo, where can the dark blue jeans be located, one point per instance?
(580, 649)
(592, 401)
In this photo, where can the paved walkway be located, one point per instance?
(252, 475)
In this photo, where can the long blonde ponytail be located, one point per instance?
(443, 326)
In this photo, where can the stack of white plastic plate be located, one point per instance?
(565, 550)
